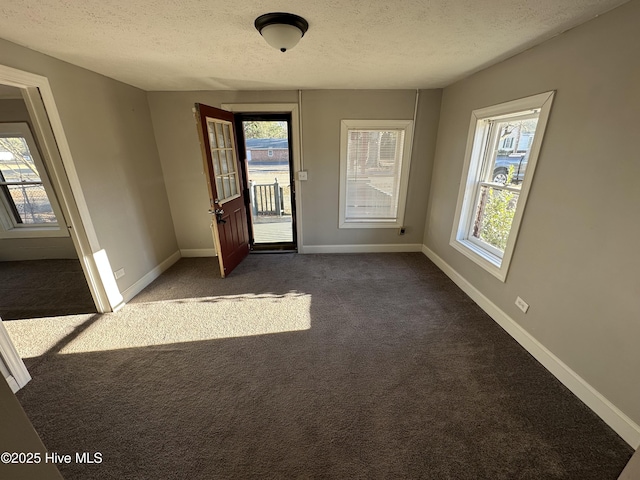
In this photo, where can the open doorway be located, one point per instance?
(42, 201)
(40, 272)
(265, 143)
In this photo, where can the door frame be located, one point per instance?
(10, 358)
(240, 118)
(296, 150)
(61, 170)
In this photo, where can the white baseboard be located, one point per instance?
(141, 284)
(607, 411)
(198, 252)
(13, 385)
(382, 248)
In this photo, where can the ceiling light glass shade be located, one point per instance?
(281, 36)
(281, 30)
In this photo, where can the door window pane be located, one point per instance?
(227, 135)
(224, 166)
(234, 184)
(211, 125)
(227, 187)
(216, 162)
(220, 136)
(219, 189)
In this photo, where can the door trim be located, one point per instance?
(19, 375)
(240, 118)
(294, 110)
(56, 154)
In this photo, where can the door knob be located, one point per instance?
(218, 212)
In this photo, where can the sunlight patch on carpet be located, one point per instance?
(36, 336)
(164, 323)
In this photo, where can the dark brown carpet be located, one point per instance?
(43, 288)
(400, 375)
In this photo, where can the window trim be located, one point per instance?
(8, 227)
(345, 126)
(473, 163)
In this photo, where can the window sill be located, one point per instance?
(496, 266)
(352, 224)
(34, 232)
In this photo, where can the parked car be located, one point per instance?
(503, 162)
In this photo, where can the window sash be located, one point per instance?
(374, 180)
(478, 212)
(38, 214)
(478, 167)
(13, 208)
(490, 135)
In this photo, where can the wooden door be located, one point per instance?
(226, 186)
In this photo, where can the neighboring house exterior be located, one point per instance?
(267, 150)
(516, 142)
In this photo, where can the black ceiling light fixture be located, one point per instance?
(281, 30)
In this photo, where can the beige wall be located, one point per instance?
(17, 435)
(576, 261)
(322, 112)
(632, 470)
(15, 110)
(108, 127)
(13, 249)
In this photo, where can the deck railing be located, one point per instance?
(267, 198)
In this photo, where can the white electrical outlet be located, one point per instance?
(522, 305)
(119, 273)
(302, 175)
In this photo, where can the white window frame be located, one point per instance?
(9, 228)
(487, 257)
(346, 126)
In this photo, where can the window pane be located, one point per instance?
(227, 135)
(224, 168)
(16, 163)
(231, 165)
(216, 162)
(374, 162)
(32, 204)
(219, 190)
(220, 136)
(227, 187)
(211, 126)
(17, 167)
(511, 153)
(494, 215)
(234, 185)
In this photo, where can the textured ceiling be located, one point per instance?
(212, 44)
